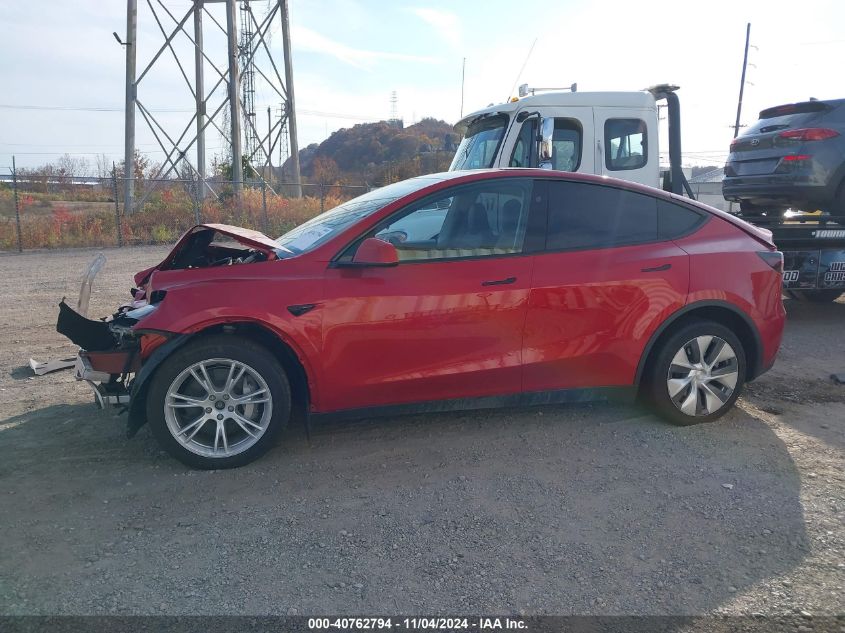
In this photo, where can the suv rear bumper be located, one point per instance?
(777, 191)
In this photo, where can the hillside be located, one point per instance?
(379, 152)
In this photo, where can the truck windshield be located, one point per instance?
(481, 143)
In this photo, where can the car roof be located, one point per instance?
(546, 174)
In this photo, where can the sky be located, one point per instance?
(62, 71)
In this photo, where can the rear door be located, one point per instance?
(626, 145)
(603, 284)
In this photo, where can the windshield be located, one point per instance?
(325, 226)
(481, 143)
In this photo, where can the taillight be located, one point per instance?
(773, 259)
(792, 163)
(734, 143)
(809, 134)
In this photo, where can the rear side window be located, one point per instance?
(625, 144)
(674, 220)
(594, 216)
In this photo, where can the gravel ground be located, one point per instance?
(562, 509)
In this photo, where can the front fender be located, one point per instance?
(138, 392)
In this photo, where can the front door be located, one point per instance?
(447, 321)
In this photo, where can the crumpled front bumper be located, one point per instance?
(106, 358)
(107, 391)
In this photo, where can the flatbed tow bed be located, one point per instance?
(813, 246)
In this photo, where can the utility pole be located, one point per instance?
(742, 81)
(131, 95)
(17, 204)
(290, 106)
(234, 98)
(199, 88)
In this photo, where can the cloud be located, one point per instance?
(447, 24)
(307, 40)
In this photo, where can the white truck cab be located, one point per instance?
(604, 133)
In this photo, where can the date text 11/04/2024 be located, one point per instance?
(418, 623)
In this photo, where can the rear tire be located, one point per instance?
(220, 402)
(697, 373)
(827, 295)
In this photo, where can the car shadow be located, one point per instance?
(561, 510)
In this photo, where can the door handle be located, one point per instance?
(499, 282)
(656, 269)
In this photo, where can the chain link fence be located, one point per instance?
(62, 211)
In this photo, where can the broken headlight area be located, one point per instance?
(111, 349)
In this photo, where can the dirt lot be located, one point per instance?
(569, 509)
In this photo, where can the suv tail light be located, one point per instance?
(773, 259)
(809, 134)
(793, 162)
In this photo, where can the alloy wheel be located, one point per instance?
(218, 407)
(702, 375)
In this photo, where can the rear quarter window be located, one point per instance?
(675, 220)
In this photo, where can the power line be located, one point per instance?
(9, 106)
(319, 113)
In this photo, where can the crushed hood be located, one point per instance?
(247, 237)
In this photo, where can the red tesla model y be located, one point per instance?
(456, 290)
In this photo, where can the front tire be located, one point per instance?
(697, 373)
(218, 403)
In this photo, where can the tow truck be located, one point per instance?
(615, 134)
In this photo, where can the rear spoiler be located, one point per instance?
(794, 108)
(764, 236)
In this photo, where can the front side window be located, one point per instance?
(524, 151)
(322, 228)
(595, 216)
(566, 145)
(480, 143)
(478, 220)
(625, 144)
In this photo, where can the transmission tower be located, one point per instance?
(246, 63)
(248, 59)
(394, 109)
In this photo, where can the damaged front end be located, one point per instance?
(111, 349)
(118, 353)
